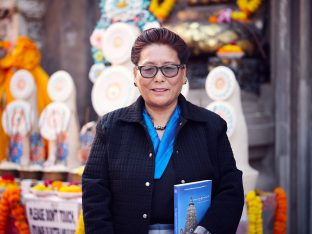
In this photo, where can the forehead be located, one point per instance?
(158, 54)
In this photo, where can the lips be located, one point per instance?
(159, 90)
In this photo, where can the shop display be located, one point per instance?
(223, 89)
(24, 80)
(208, 38)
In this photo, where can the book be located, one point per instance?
(191, 202)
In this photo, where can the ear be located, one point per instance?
(135, 73)
(185, 71)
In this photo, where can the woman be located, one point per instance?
(141, 151)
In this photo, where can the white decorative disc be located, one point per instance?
(95, 71)
(119, 10)
(117, 42)
(60, 86)
(54, 120)
(227, 112)
(220, 83)
(185, 89)
(22, 84)
(17, 118)
(96, 38)
(113, 89)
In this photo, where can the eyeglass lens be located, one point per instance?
(167, 70)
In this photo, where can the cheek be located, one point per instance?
(177, 83)
(142, 83)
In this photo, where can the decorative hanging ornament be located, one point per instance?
(96, 38)
(22, 84)
(54, 120)
(117, 42)
(123, 10)
(60, 86)
(161, 11)
(95, 71)
(220, 83)
(113, 89)
(226, 112)
(17, 118)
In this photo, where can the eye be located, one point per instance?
(148, 70)
(170, 69)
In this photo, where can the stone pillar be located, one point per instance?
(67, 28)
(291, 74)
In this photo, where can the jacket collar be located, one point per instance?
(189, 111)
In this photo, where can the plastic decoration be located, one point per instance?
(220, 83)
(113, 89)
(131, 12)
(227, 112)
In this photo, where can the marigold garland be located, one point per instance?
(254, 211)
(26, 55)
(161, 11)
(10, 205)
(280, 225)
(249, 6)
(6, 71)
(80, 227)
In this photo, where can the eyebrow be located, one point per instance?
(165, 63)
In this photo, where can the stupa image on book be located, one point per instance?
(191, 201)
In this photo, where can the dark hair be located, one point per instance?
(160, 36)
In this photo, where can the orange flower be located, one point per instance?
(10, 204)
(280, 225)
(26, 55)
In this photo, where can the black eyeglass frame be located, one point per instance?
(179, 66)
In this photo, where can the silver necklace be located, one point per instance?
(160, 128)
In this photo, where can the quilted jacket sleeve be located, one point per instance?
(96, 197)
(225, 211)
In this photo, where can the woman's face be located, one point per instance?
(160, 91)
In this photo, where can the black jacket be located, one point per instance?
(115, 196)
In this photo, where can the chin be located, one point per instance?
(160, 103)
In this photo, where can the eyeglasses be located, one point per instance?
(169, 71)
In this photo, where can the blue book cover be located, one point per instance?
(191, 201)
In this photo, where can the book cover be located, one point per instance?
(191, 201)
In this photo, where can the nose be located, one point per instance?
(159, 77)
